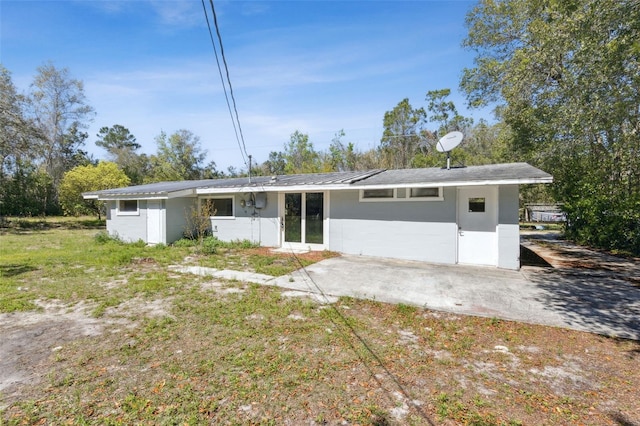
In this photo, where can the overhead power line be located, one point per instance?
(235, 120)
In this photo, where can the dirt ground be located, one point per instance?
(31, 339)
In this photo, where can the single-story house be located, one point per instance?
(466, 215)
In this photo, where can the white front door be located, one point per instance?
(154, 222)
(477, 224)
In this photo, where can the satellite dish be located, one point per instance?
(447, 143)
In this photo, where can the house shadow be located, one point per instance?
(11, 270)
(529, 257)
(600, 301)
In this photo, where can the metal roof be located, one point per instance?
(511, 173)
(150, 189)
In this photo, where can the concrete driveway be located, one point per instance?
(602, 300)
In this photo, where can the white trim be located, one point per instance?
(140, 197)
(233, 206)
(364, 199)
(346, 187)
(127, 213)
(183, 193)
(408, 196)
(325, 223)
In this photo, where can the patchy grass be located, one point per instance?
(261, 259)
(180, 349)
(20, 224)
(548, 226)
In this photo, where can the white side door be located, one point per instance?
(154, 222)
(477, 225)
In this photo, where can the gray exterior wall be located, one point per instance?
(177, 212)
(260, 226)
(412, 230)
(129, 228)
(508, 227)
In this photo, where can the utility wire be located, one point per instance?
(224, 60)
(314, 288)
(240, 138)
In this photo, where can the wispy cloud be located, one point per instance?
(178, 13)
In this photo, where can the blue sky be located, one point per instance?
(313, 66)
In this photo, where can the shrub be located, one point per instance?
(185, 242)
(210, 245)
(244, 244)
(103, 237)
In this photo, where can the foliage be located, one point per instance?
(198, 222)
(567, 76)
(445, 113)
(17, 133)
(275, 165)
(179, 157)
(121, 147)
(89, 178)
(15, 128)
(29, 191)
(40, 138)
(104, 237)
(402, 134)
(341, 157)
(116, 138)
(300, 156)
(60, 112)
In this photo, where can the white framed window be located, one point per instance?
(423, 193)
(127, 208)
(219, 207)
(385, 194)
(426, 193)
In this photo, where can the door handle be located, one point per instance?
(460, 232)
(282, 223)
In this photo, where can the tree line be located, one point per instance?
(42, 139)
(44, 168)
(566, 78)
(563, 76)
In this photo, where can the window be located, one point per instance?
(218, 207)
(377, 194)
(127, 207)
(476, 205)
(427, 193)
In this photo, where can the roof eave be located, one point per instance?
(139, 195)
(456, 183)
(359, 185)
(273, 188)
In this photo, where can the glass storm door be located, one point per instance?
(293, 218)
(304, 218)
(313, 217)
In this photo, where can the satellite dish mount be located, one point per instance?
(447, 143)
